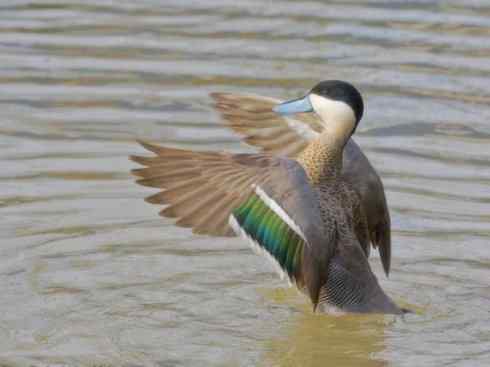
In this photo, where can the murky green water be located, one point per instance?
(90, 275)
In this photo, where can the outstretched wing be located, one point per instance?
(252, 117)
(200, 189)
(266, 199)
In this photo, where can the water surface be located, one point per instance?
(91, 275)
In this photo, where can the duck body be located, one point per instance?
(252, 117)
(302, 213)
(342, 211)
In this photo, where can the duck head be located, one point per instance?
(338, 104)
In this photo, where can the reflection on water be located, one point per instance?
(312, 340)
(90, 275)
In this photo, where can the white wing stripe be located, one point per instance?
(279, 211)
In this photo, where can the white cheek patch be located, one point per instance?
(337, 114)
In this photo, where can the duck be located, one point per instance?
(252, 117)
(310, 201)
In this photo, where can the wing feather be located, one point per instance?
(268, 199)
(252, 117)
(200, 189)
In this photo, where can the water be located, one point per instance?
(90, 275)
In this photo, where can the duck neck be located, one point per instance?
(322, 158)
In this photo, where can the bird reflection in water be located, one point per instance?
(314, 340)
